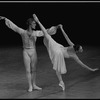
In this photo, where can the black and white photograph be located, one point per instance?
(49, 50)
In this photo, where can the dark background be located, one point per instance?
(80, 21)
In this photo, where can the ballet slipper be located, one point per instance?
(30, 90)
(36, 87)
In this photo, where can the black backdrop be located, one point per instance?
(80, 21)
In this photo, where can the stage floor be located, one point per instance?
(80, 83)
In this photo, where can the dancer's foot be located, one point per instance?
(36, 87)
(30, 89)
(62, 85)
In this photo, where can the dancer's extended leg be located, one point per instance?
(61, 83)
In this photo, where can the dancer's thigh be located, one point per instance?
(26, 60)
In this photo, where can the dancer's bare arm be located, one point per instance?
(66, 36)
(75, 57)
(12, 26)
(41, 26)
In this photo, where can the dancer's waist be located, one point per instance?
(28, 47)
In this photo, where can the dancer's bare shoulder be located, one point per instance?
(71, 51)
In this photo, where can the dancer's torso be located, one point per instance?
(28, 40)
(55, 48)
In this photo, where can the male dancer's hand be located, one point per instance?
(58, 26)
(1, 17)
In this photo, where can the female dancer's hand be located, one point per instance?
(60, 25)
(94, 69)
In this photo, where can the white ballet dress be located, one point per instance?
(56, 52)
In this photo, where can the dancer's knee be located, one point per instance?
(33, 69)
(28, 72)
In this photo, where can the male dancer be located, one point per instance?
(29, 37)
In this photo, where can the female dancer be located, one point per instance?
(29, 37)
(58, 52)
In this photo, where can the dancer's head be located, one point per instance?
(31, 23)
(78, 48)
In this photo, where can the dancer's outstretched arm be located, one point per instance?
(41, 26)
(66, 36)
(11, 25)
(75, 57)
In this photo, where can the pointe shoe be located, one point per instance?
(36, 87)
(62, 85)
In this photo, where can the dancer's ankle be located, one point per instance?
(61, 82)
